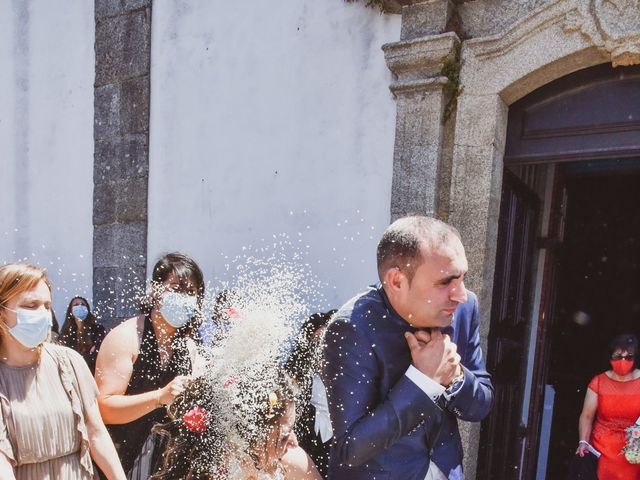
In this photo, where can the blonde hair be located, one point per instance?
(17, 278)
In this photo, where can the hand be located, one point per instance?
(582, 449)
(434, 355)
(170, 391)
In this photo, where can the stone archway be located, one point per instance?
(557, 39)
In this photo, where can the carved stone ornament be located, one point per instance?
(612, 25)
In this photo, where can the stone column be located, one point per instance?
(422, 63)
(474, 210)
(121, 158)
(426, 66)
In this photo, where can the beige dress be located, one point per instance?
(42, 412)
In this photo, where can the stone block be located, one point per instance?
(110, 8)
(121, 157)
(117, 245)
(131, 200)
(104, 204)
(106, 103)
(483, 121)
(490, 17)
(120, 201)
(415, 176)
(118, 292)
(444, 169)
(475, 203)
(123, 47)
(425, 18)
(420, 59)
(477, 175)
(104, 294)
(134, 113)
(130, 288)
(121, 109)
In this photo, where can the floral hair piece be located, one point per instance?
(230, 381)
(273, 403)
(196, 419)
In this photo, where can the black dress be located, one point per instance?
(139, 450)
(96, 333)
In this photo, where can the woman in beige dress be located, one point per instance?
(50, 425)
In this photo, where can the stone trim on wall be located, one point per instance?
(121, 157)
(496, 71)
(419, 87)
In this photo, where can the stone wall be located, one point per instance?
(121, 162)
(272, 133)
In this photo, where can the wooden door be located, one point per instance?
(503, 432)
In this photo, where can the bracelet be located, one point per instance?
(583, 442)
(158, 404)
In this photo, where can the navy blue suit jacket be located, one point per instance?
(385, 426)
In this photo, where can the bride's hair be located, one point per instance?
(202, 434)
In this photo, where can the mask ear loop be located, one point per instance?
(4, 330)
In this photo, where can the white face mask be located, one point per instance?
(177, 309)
(32, 326)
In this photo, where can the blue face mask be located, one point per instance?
(80, 312)
(32, 326)
(177, 309)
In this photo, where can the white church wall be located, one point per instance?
(46, 140)
(272, 119)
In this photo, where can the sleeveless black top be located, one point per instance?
(147, 375)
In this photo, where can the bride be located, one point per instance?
(235, 418)
(250, 436)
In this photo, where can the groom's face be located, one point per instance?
(437, 288)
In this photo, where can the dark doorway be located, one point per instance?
(573, 147)
(598, 292)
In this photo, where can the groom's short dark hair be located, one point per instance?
(403, 241)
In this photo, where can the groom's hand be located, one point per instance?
(435, 355)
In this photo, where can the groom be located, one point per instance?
(403, 361)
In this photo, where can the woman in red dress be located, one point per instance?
(613, 400)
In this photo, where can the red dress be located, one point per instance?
(618, 408)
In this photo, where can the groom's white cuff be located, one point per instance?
(429, 386)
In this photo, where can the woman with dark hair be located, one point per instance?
(81, 331)
(612, 404)
(50, 425)
(251, 437)
(144, 362)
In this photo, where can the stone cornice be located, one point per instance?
(410, 86)
(613, 26)
(420, 59)
(541, 18)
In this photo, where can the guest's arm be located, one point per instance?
(102, 450)
(585, 424)
(473, 400)
(114, 368)
(7, 456)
